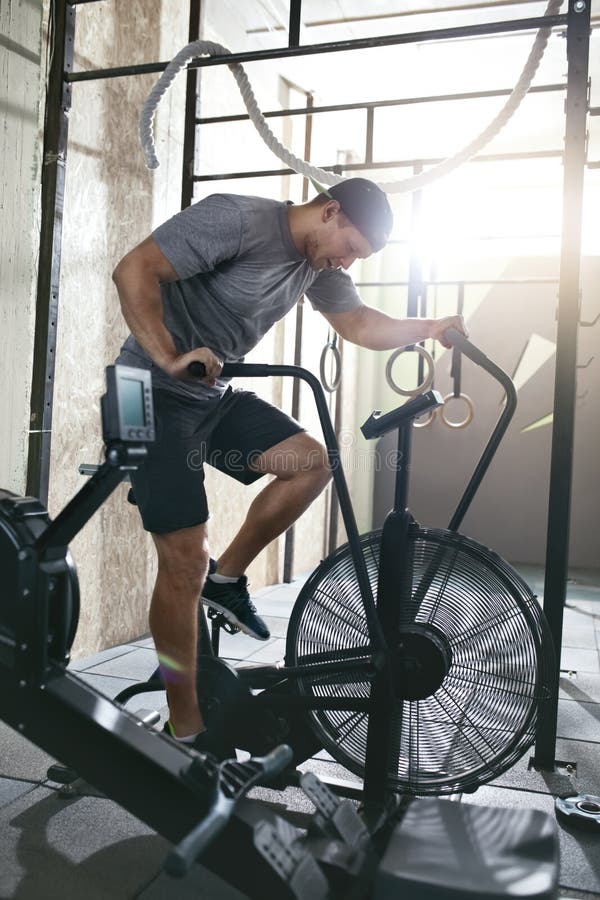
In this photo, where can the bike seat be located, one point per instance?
(378, 424)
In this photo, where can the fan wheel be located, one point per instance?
(472, 661)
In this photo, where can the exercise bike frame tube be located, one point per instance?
(475, 355)
(120, 458)
(393, 576)
(138, 768)
(253, 370)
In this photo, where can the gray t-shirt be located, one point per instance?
(239, 273)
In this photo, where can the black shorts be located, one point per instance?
(228, 433)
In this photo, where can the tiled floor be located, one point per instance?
(90, 848)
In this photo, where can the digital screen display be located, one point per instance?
(132, 402)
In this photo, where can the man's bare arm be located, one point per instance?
(138, 278)
(370, 328)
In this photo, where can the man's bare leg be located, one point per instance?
(182, 565)
(302, 472)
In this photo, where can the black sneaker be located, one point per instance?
(205, 742)
(233, 601)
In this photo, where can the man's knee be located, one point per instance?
(318, 465)
(311, 464)
(298, 456)
(183, 556)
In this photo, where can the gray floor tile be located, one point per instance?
(107, 685)
(146, 641)
(200, 884)
(99, 658)
(578, 617)
(579, 851)
(152, 701)
(581, 686)
(580, 660)
(276, 606)
(580, 721)
(269, 653)
(578, 895)
(52, 849)
(524, 777)
(277, 625)
(584, 577)
(585, 598)
(10, 789)
(21, 759)
(237, 646)
(110, 687)
(327, 769)
(585, 777)
(122, 860)
(138, 664)
(585, 755)
(582, 637)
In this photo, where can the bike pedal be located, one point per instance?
(218, 619)
(292, 862)
(334, 817)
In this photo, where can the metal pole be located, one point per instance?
(191, 99)
(389, 40)
(58, 103)
(295, 22)
(557, 545)
(289, 546)
(387, 164)
(371, 105)
(334, 508)
(416, 287)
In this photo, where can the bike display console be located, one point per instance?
(127, 409)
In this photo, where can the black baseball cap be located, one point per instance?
(367, 207)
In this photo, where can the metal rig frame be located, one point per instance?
(577, 23)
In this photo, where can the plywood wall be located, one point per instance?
(20, 64)
(112, 202)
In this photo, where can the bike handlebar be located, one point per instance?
(456, 339)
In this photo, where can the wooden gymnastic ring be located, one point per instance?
(425, 420)
(427, 381)
(466, 420)
(332, 386)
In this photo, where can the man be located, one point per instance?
(206, 286)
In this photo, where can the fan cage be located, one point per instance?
(483, 716)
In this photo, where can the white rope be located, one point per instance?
(203, 48)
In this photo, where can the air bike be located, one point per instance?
(417, 657)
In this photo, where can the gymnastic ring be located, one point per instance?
(470, 410)
(425, 420)
(332, 386)
(427, 381)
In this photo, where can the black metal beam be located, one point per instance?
(138, 769)
(388, 164)
(380, 104)
(290, 535)
(565, 385)
(295, 21)
(191, 98)
(58, 104)
(456, 281)
(333, 47)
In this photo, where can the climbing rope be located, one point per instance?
(415, 182)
